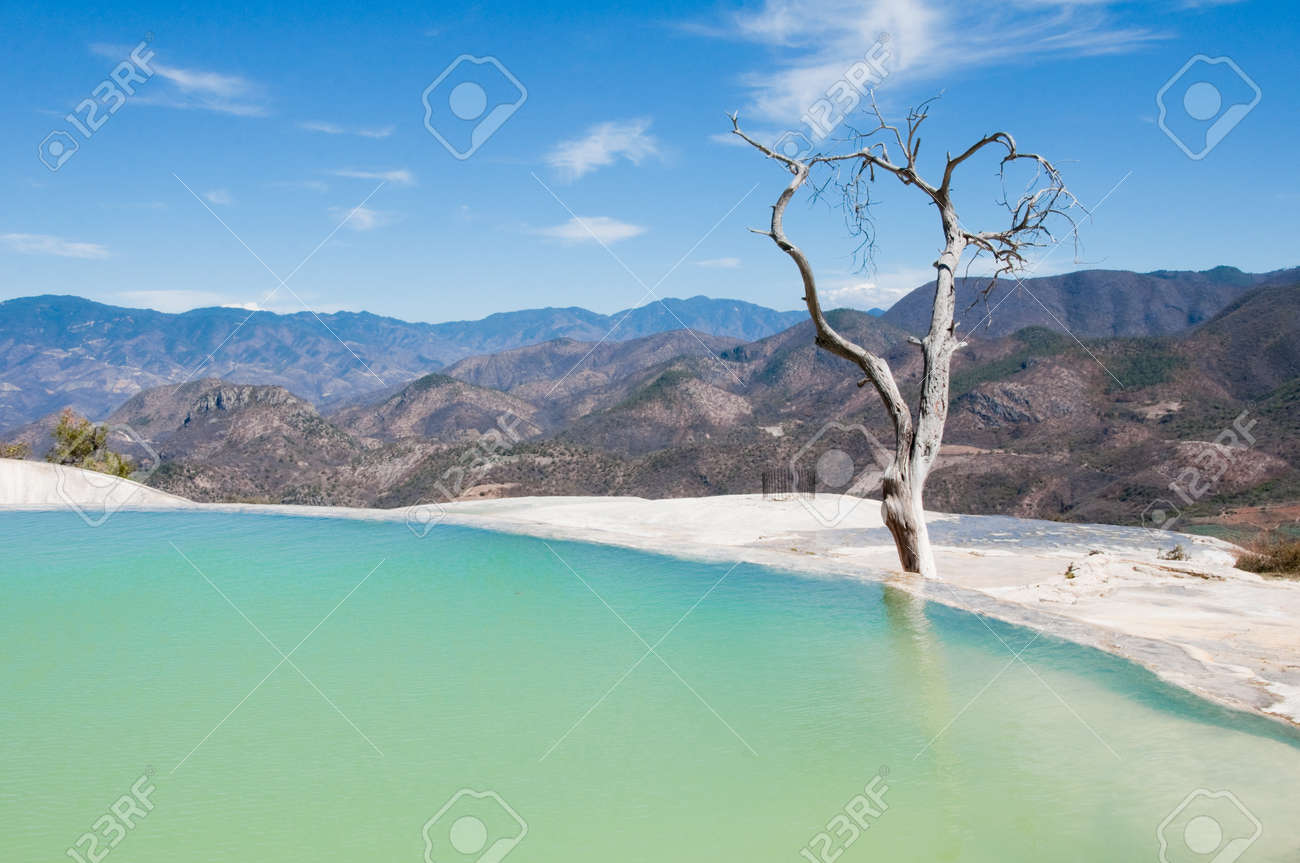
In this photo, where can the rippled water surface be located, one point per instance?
(280, 689)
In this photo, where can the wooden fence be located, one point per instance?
(783, 483)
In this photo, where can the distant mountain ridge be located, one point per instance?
(1088, 303)
(1039, 424)
(57, 351)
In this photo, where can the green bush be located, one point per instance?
(14, 450)
(1144, 363)
(80, 443)
(1035, 342)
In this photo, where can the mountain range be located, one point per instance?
(58, 351)
(1089, 303)
(1042, 422)
(62, 351)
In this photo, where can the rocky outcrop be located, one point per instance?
(229, 397)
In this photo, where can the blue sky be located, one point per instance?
(281, 120)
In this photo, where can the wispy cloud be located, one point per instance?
(602, 145)
(199, 89)
(592, 229)
(220, 197)
(45, 244)
(212, 91)
(719, 263)
(362, 218)
(401, 176)
(882, 290)
(335, 129)
(814, 42)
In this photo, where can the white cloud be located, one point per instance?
(220, 197)
(45, 244)
(170, 301)
(178, 87)
(857, 295)
(400, 176)
(213, 90)
(719, 263)
(602, 145)
(880, 291)
(930, 42)
(323, 128)
(335, 129)
(362, 218)
(592, 229)
(182, 300)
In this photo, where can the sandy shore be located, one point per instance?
(1227, 635)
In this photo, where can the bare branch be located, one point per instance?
(875, 369)
(1044, 200)
(1031, 216)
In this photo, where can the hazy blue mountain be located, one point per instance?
(61, 350)
(64, 350)
(1039, 425)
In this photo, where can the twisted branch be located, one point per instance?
(895, 151)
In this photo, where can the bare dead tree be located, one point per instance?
(1032, 212)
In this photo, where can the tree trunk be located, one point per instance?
(901, 504)
(904, 515)
(917, 444)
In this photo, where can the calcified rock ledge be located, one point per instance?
(1200, 624)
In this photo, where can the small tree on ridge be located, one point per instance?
(80, 443)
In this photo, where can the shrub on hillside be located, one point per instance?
(80, 443)
(1175, 553)
(1280, 556)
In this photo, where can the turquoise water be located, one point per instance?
(470, 660)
